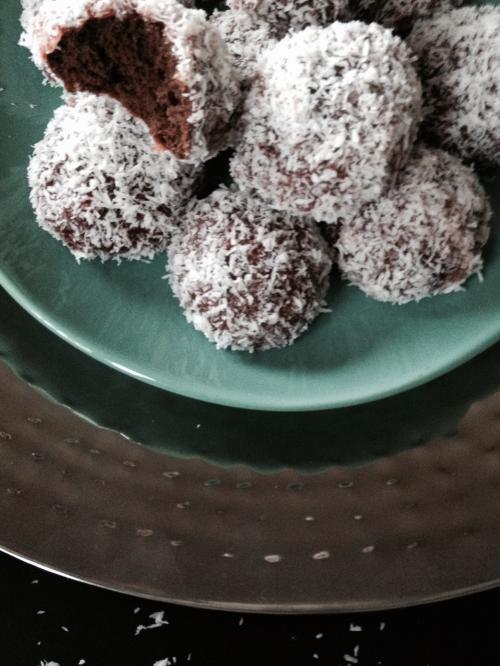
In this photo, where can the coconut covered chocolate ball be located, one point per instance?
(423, 238)
(246, 277)
(460, 66)
(164, 62)
(99, 188)
(245, 37)
(329, 120)
(402, 14)
(285, 15)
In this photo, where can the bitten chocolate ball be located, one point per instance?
(246, 277)
(99, 188)
(460, 66)
(422, 238)
(329, 120)
(164, 62)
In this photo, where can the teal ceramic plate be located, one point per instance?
(125, 316)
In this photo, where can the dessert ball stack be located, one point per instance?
(338, 128)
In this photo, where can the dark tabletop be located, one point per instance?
(45, 618)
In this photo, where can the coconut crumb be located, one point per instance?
(158, 622)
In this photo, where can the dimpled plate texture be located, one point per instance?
(416, 524)
(126, 316)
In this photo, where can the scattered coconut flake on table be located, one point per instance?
(49, 663)
(158, 621)
(168, 661)
(355, 627)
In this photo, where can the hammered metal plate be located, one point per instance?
(410, 527)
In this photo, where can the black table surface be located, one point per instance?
(48, 620)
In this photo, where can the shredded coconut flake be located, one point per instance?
(284, 15)
(158, 622)
(246, 37)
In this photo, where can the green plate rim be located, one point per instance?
(223, 397)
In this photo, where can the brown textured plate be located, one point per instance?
(415, 524)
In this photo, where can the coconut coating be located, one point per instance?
(248, 278)
(329, 120)
(460, 66)
(163, 61)
(402, 14)
(424, 237)
(99, 188)
(245, 37)
(285, 15)
(30, 9)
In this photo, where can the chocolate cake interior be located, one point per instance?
(130, 60)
